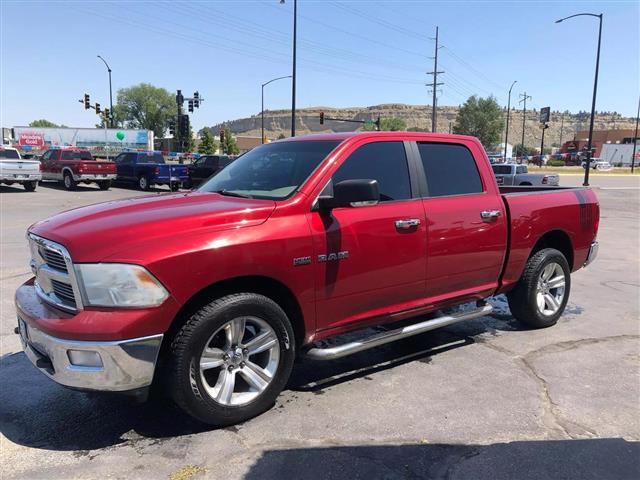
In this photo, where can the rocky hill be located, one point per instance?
(419, 116)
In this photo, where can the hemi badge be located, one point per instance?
(301, 261)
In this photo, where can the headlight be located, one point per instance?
(119, 285)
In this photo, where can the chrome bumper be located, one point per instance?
(102, 366)
(91, 177)
(20, 177)
(593, 253)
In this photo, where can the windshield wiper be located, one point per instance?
(230, 193)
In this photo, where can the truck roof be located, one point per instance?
(346, 135)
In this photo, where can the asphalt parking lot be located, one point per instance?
(486, 399)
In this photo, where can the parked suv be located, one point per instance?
(204, 167)
(146, 169)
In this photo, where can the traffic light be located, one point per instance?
(106, 113)
(87, 102)
(196, 99)
(179, 98)
(190, 106)
(97, 107)
(321, 118)
(172, 127)
(184, 126)
(222, 140)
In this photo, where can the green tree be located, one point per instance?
(392, 124)
(230, 145)
(518, 150)
(146, 107)
(189, 142)
(43, 123)
(207, 142)
(482, 118)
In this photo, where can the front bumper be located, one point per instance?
(20, 177)
(116, 366)
(94, 177)
(593, 253)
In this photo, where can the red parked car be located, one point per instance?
(71, 166)
(215, 292)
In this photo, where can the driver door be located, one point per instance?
(370, 260)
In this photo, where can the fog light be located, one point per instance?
(84, 358)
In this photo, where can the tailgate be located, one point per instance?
(95, 167)
(175, 170)
(19, 167)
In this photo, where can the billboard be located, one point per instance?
(545, 114)
(97, 139)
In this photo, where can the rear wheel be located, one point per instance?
(104, 184)
(543, 290)
(68, 181)
(174, 187)
(231, 359)
(30, 186)
(143, 183)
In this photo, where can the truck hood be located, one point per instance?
(97, 232)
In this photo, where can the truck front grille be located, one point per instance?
(55, 279)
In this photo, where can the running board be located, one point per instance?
(391, 336)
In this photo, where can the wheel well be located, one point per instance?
(270, 288)
(556, 239)
(66, 170)
(525, 183)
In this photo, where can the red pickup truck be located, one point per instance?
(214, 292)
(71, 166)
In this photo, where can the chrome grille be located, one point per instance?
(55, 280)
(54, 259)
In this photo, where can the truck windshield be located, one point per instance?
(501, 169)
(9, 154)
(76, 155)
(272, 171)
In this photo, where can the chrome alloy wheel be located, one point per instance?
(239, 361)
(550, 289)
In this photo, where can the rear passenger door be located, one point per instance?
(467, 225)
(367, 262)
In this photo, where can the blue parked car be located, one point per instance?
(147, 169)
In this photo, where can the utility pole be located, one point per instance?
(523, 98)
(434, 85)
(506, 132)
(561, 128)
(635, 140)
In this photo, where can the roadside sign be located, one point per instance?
(545, 114)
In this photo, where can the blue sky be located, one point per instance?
(350, 53)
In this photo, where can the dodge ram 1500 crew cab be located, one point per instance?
(71, 166)
(213, 293)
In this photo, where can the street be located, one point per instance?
(486, 399)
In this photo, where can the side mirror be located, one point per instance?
(351, 193)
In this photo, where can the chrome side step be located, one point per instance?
(391, 336)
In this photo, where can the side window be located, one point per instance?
(521, 170)
(47, 156)
(450, 169)
(385, 162)
(119, 158)
(211, 162)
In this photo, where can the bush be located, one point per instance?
(556, 163)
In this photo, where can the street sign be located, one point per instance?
(545, 114)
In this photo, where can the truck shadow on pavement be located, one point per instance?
(38, 413)
(594, 459)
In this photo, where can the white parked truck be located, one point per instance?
(13, 169)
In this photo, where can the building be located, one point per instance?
(600, 138)
(247, 143)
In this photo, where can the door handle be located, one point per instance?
(407, 224)
(489, 215)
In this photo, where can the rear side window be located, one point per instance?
(151, 158)
(450, 169)
(501, 169)
(385, 162)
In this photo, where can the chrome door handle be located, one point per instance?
(489, 215)
(406, 224)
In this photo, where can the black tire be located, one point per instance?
(30, 186)
(143, 183)
(104, 184)
(523, 298)
(182, 363)
(174, 187)
(68, 182)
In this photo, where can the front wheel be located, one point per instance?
(542, 292)
(104, 184)
(231, 359)
(30, 186)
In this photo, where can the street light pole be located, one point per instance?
(635, 139)
(293, 74)
(110, 92)
(506, 133)
(595, 90)
(262, 108)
